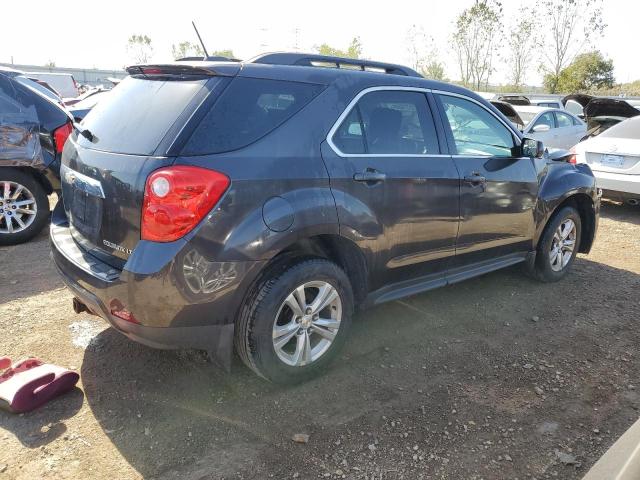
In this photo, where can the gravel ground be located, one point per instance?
(498, 377)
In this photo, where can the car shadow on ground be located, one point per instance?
(45, 424)
(175, 415)
(620, 212)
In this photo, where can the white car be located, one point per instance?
(554, 127)
(614, 158)
(63, 83)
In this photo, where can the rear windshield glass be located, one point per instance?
(625, 129)
(247, 110)
(137, 113)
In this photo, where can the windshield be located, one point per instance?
(527, 116)
(625, 129)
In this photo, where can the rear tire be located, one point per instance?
(24, 207)
(558, 245)
(296, 322)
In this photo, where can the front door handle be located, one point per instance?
(475, 179)
(370, 176)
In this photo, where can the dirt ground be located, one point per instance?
(498, 377)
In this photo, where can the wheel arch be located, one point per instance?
(585, 206)
(333, 247)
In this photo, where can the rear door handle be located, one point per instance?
(370, 176)
(475, 179)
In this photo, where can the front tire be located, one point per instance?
(558, 246)
(296, 322)
(24, 207)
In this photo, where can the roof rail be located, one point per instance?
(316, 60)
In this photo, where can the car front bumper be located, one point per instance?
(160, 308)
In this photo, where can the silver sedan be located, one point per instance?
(554, 127)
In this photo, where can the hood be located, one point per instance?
(515, 100)
(508, 111)
(580, 98)
(609, 107)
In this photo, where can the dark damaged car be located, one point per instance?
(33, 129)
(599, 113)
(255, 205)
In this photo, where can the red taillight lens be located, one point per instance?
(60, 136)
(572, 158)
(177, 198)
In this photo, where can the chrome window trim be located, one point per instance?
(362, 93)
(465, 97)
(350, 107)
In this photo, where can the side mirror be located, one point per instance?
(532, 148)
(541, 128)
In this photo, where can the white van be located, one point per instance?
(63, 83)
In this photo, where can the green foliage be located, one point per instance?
(139, 48)
(223, 53)
(186, 49)
(568, 27)
(354, 50)
(588, 72)
(433, 69)
(476, 40)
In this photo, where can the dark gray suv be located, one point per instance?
(211, 205)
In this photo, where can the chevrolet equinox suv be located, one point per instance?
(254, 205)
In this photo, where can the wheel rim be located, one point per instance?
(307, 323)
(562, 245)
(18, 207)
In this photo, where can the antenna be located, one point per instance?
(206, 54)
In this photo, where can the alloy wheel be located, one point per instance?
(562, 245)
(18, 207)
(307, 323)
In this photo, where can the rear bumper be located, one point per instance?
(155, 304)
(618, 182)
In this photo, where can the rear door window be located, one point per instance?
(388, 122)
(137, 114)
(247, 110)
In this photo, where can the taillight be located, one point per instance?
(177, 198)
(572, 158)
(60, 136)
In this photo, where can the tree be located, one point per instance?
(186, 49)
(50, 64)
(353, 51)
(589, 71)
(139, 48)
(570, 26)
(476, 40)
(521, 43)
(424, 55)
(223, 53)
(434, 69)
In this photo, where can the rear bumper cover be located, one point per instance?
(166, 308)
(618, 182)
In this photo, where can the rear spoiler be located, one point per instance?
(183, 70)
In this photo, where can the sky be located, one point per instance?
(95, 34)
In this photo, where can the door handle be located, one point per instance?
(370, 176)
(475, 179)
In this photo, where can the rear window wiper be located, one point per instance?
(85, 132)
